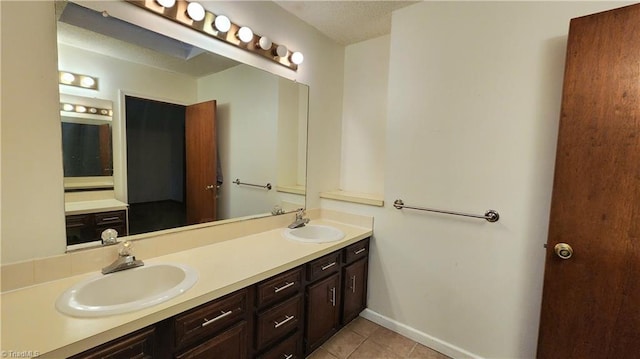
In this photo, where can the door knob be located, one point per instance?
(210, 187)
(563, 250)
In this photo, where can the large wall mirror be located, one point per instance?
(195, 137)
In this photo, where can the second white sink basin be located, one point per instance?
(127, 290)
(314, 233)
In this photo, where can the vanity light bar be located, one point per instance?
(220, 27)
(71, 107)
(72, 79)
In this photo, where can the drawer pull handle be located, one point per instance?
(288, 318)
(360, 250)
(333, 296)
(285, 286)
(110, 218)
(287, 356)
(328, 266)
(224, 314)
(353, 283)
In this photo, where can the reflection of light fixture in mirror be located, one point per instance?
(297, 58)
(166, 3)
(195, 11)
(281, 51)
(222, 23)
(245, 34)
(265, 43)
(71, 79)
(70, 107)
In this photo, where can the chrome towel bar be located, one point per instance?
(489, 215)
(267, 186)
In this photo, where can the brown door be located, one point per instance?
(591, 301)
(200, 152)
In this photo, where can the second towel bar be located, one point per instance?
(267, 186)
(490, 215)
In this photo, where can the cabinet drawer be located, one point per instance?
(290, 348)
(323, 266)
(231, 344)
(279, 287)
(109, 218)
(276, 322)
(140, 344)
(356, 251)
(209, 318)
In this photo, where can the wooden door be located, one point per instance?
(201, 152)
(354, 290)
(323, 304)
(591, 301)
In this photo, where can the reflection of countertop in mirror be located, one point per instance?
(101, 205)
(223, 267)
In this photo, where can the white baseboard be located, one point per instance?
(418, 336)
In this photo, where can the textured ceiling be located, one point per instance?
(346, 22)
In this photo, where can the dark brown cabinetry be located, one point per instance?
(323, 311)
(354, 280)
(354, 290)
(230, 344)
(285, 316)
(140, 344)
(82, 228)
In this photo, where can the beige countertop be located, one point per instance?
(31, 324)
(92, 206)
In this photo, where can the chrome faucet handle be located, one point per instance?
(109, 236)
(300, 213)
(126, 249)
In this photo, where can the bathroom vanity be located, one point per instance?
(258, 295)
(285, 316)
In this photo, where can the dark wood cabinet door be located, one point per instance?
(323, 311)
(140, 345)
(230, 344)
(354, 290)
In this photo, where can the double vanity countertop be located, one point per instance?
(31, 325)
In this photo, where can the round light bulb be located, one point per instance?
(195, 11)
(245, 34)
(297, 58)
(93, 110)
(265, 43)
(87, 81)
(67, 107)
(104, 112)
(67, 78)
(222, 23)
(281, 51)
(166, 3)
(81, 108)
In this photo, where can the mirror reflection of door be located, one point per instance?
(171, 164)
(202, 167)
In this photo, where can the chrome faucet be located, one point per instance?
(126, 260)
(300, 220)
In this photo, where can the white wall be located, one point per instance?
(364, 115)
(474, 99)
(32, 190)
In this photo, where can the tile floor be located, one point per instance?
(363, 339)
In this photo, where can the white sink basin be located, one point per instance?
(127, 290)
(314, 233)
